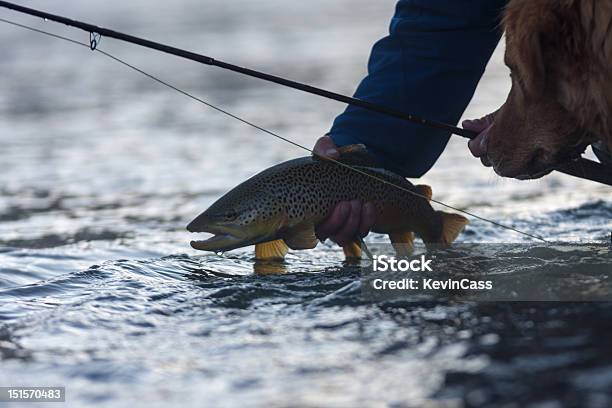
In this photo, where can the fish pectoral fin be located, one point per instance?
(272, 250)
(352, 251)
(301, 237)
(403, 242)
(425, 191)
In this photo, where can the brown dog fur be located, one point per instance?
(560, 56)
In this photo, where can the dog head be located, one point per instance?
(559, 54)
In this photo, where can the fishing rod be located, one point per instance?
(264, 130)
(579, 167)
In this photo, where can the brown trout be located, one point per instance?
(279, 207)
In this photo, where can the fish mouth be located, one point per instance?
(227, 235)
(220, 241)
(224, 238)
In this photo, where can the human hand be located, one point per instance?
(478, 145)
(349, 219)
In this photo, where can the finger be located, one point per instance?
(475, 124)
(334, 222)
(368, 218)
(348, 232)
(480, 124)
(478, 145)
(326, 147)
(471, 124)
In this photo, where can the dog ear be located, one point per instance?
(525, 22)
(531, 64)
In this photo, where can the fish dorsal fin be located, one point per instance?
(272, 250)
(302, 236)
(425, 191)
(355, 155)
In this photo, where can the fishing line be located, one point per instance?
(94, 42)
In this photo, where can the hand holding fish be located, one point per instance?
(348, 219)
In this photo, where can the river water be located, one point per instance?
(102, 168)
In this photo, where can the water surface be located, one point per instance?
(103, 168)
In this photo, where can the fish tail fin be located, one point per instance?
(425, 191)
(452, 225)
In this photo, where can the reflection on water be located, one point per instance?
(102, 169)
(263, 268)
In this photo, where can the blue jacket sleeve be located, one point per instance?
(428, 65)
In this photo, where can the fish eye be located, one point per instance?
(230, 215)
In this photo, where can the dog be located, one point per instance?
(560, 57)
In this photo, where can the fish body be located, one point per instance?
(286, 202)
